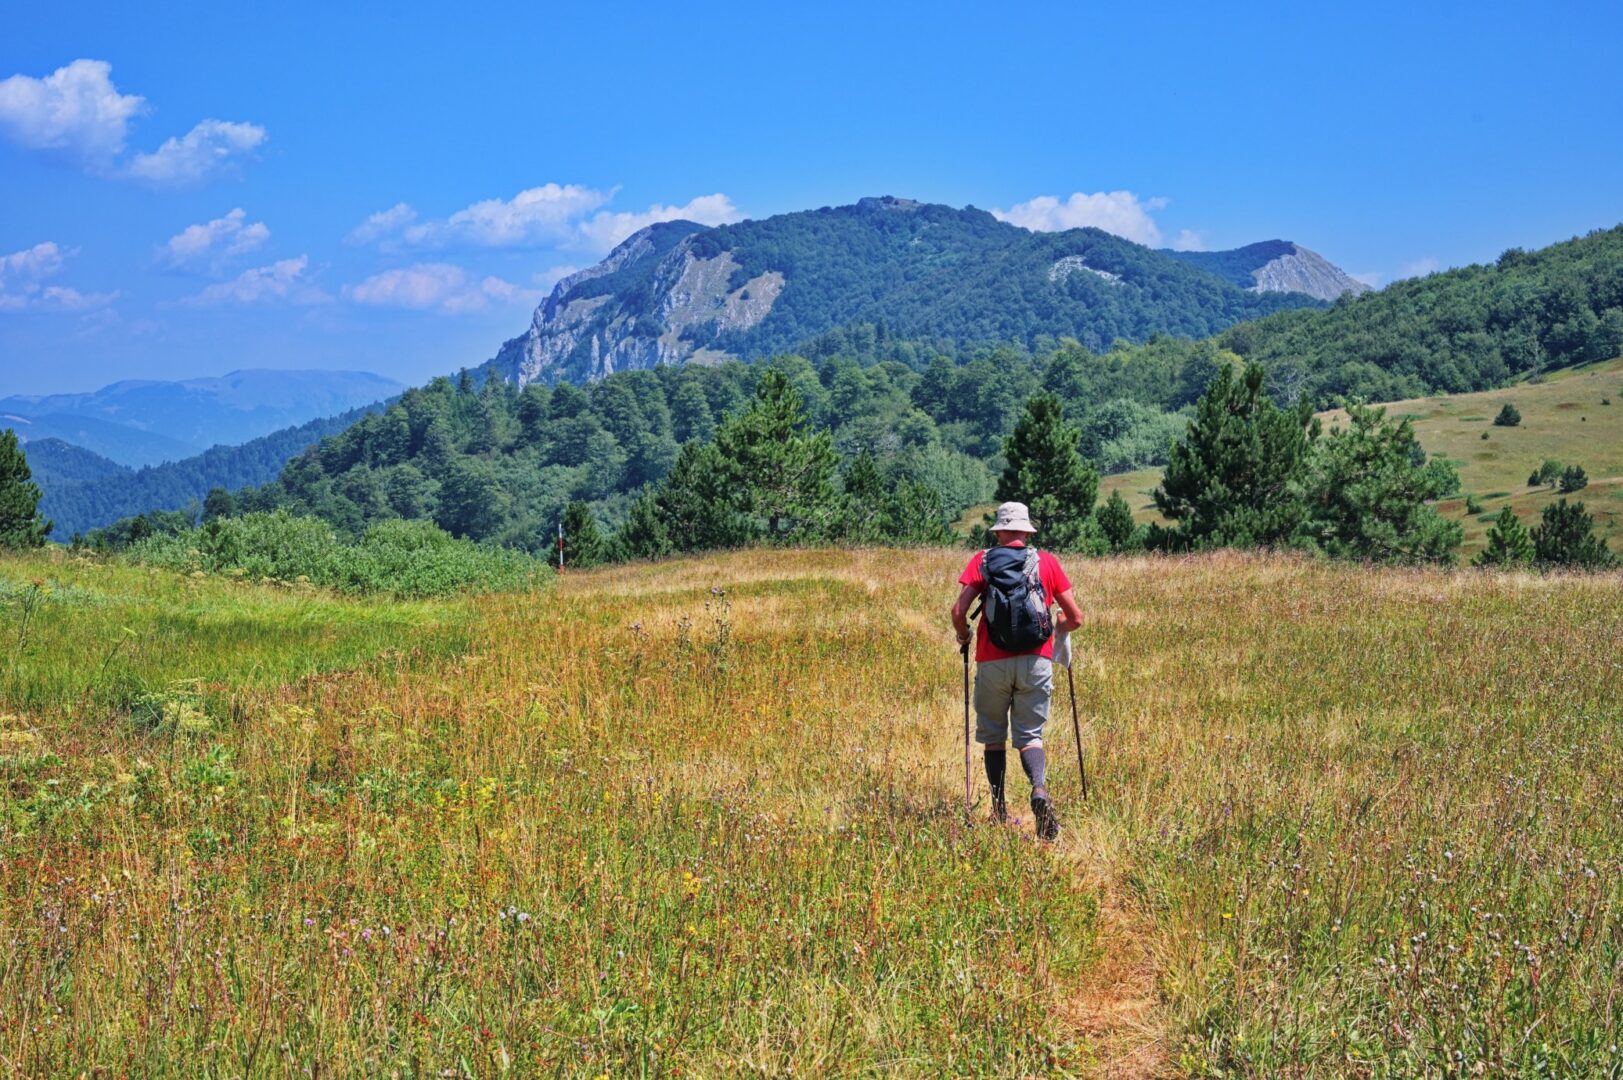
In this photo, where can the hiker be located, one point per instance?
(1013, 686)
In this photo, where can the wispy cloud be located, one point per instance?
(1372, 278)
(212, 148)
(382, 224)
(281, 282)
(567, 216)
(76, 113)
(1189, 240)
(1118, 212)
(23, 288)
(213, 242)
(438, 287)
(1420, 267)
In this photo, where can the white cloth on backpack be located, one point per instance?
(1062, 648)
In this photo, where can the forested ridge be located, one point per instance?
(488, 461)
(1474, 328)
(77, 501)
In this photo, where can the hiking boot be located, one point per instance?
(1043, 809)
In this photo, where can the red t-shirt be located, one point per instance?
(1054, 583)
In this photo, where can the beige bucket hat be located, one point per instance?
(1013, 517)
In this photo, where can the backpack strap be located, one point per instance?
(1033, 572)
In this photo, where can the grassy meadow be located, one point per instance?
(1574, 415)
(704, 817)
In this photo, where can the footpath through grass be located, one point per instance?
(702, 818)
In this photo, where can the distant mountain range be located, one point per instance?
(678, 292)
(143, 422)
(83, 490)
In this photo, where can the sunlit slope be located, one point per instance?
(1566, 417)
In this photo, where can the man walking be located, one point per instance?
(1014, 675)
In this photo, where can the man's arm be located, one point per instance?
(960, 612)
(1070, 615)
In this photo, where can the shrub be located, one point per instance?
(403, 558)
(1573, 479)
(1472, 506)
(1509, 416)
(1566, 538)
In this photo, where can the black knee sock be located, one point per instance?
(1035, 763)
(996, 763)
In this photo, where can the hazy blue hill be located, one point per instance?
(54, 462)
(190, 415)
(78, 506)
(120, 444)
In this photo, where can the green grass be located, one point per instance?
(78, 628)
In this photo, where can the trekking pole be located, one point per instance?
(964, 649)
(1076, 726)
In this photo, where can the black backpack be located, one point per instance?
(1016, 606)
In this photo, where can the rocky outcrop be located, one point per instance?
(1304, 271)
(651, 302)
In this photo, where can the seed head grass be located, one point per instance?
(704, 817)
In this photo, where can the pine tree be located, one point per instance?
(1509, 416)
(1046, 472)
(21, 525)
(584, 544)
(1508, 542)
(780, 473)
(644, 535)
(1115, 519)
(1573, 479)
(1237, 476)
(1369, 485)
(863, 520)
(1566, 538)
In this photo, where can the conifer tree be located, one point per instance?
(781, 474)
(1566, 538)
(1115, 520)
(1369, 485)
(1046, 472)
(1508, 542)
(21, 525)
(864, 519)
(1236, 478)
(644, 536)
(584, 544)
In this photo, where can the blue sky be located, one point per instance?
(303, 185)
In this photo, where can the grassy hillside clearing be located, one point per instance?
(702, 817)
(1563, 417)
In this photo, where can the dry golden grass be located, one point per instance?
(702, 818)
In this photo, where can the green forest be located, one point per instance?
(922, 422)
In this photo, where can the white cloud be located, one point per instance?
(607, 228)
(75, 110)
(215, 241)
(280, 282)
(535, 217)
(381, 224)
(1372, 278)
(22, 288)
(435, 286)
(552, 215)
(211, 148)
(1419, 268)
(1189, 240)
(1118, 212)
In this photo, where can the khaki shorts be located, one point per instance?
(1012, 692)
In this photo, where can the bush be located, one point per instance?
(410, 559)
(1509, 416)
(1566, 538)
(1573, 479)
(1472, 506)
